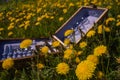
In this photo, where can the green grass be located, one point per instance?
(12, 11)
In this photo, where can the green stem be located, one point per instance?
(107, 65)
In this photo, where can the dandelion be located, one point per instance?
(71, 46)
(44, 49)
(28, 16)
(12, 19)
(64, 11)
(10, 33)
(10, 27)
(27, 22)
(118, 16)
(26, 26)
(1, 29)
(56, 44)
(118, 24)
(93, 58)
(66, 41)
(100, 74)
(85, 1)
(46, 15)
(38, 10)
(99, 50)
(107, 29)
(21, 25)
(68, 54)
(8, 63)
(61, 19)
(109, 20)
(83, 44)
(77, 60)
(62, 68)
(90, 33)
(109, 7)
(68, 32)
(1, 14)
(71, 4)
(94, 1)
(25, 43)
(100, 29)
(85, 70)
(40, 66)
(17, 20)
(37, 23)
(79, 53)
(52, 17)
(79, 4)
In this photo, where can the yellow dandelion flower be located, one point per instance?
(107, 29)
(83, 44)
(62, 68)
(79, 4)
(21, 25)
(100, 74)
(17, 20)
(94, 1)
(85, 1)
(118, 16)
(8, 63)
(33, 14)
(26, 26)
(12, 24)
(64, 11)
(100, 29)
(109, 20)
(1, 14)
(39, 18)
(70, 46)
(99, 3)
(90, 33)
(118, 24)
(38, 10)
(77, 60)
(109, 7)
(93, 58)
(79, 53)
(10, 33)
(61, 19)
(68, 54)
(1, 29)
(66, 41)
(68, 32)
(71, 4)
(99, 50)
(10, 27)
(27, 22)
(85, 4)
(56, 44)
(85, 70)
(25, 43)
(37, 23)
(44, 49)
(40, 66)
(52, 17)
(46, 15)
(28, 16)
(12, 19)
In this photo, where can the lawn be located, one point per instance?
(95, 57)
